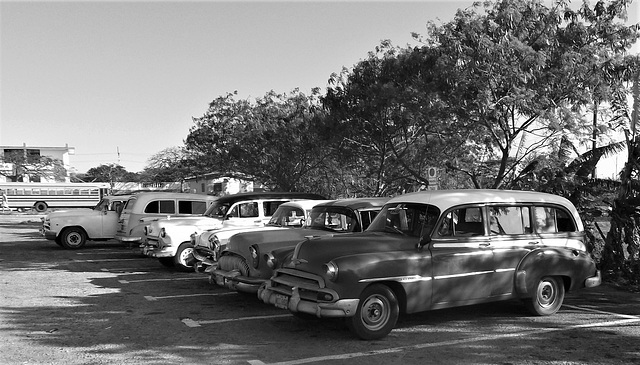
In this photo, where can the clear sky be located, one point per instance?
(127, 77)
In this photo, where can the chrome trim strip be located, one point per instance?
(402, 279)
(463, 275)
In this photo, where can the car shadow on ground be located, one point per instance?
(106, 303)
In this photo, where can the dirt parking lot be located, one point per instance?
(107, 304)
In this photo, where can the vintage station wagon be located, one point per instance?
(439, 249)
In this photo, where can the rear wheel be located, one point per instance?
(548, 296)
(40, 207)
(73, 238)
(377, 313)
(184, 259)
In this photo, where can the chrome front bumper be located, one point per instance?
(339, 309)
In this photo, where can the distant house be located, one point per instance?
(8, 171)
(215, 184)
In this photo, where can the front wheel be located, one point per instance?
(184, 259)
(377, 313)
(548, 296)
(73, 238)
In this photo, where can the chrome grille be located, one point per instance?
(308, 284)
(233, 262)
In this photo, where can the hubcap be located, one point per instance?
(546, 293)
(186, 256)
(375, 312)
(73, 239)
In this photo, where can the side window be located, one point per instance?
(462, 222)
(167, 207)
(161, 206)
(152, 207)
(545, 220)
(270, 207)
(551, 220)
(509, 220)
(367, 217)
(248, 210)
(191, 207)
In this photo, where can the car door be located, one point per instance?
(511, 239)
(243, 214)
(110, 219)
(462, 259)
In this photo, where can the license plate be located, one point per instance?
(282, 301)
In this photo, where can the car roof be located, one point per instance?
(267, 195)
(444, 199)
(170, 195)
(117, 197)
(357, 203)
(304, 204)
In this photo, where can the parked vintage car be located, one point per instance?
(439, 249)
(292, 214)
(249, 258)
(169, 240)
(145, 207)
(72, 228)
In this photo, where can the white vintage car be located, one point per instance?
(169, 240)
(74, 227)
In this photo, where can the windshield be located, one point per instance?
(335, 219)
(103, 204)
(217, 210)
(286, 216)
(416, 220)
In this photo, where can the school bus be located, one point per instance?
(43, 196)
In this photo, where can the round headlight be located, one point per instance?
(163, 233)
(271, 260)
(255, 255)
(331, 269)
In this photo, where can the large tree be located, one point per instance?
(273, 140)
(168, 165)
(488, 90)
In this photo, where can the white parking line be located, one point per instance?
(629, 319)
(104, 252)
(191, 323)
(108, 260)
(165, 279)
(151, 298)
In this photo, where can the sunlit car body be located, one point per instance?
(72, 228)
(169, 240)
(249, 258)
(291, 214)
(143, 208)
(440, 249)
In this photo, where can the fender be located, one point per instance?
(573, 265)
(409, 275)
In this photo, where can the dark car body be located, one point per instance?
(439, 249)
(243, 265)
